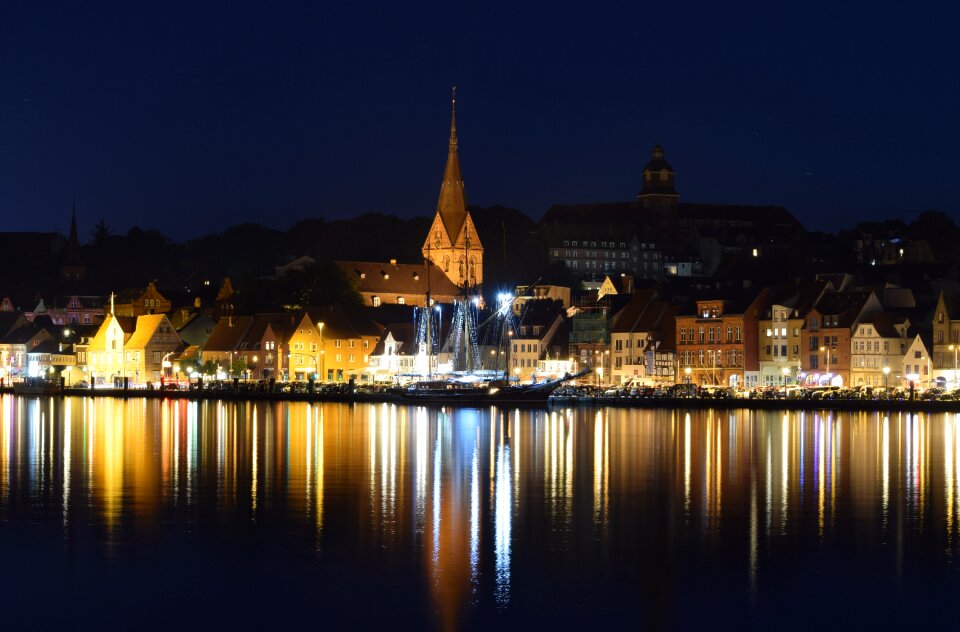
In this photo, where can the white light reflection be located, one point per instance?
(686, 465)
(254, 475)
(503, 518)
(66, 460)
(600, 473)
(474, 513)
(885, 480)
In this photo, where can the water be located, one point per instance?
(147, 514)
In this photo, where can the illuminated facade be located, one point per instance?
(880, 342)
(331, 345)
(452, 243)
(718, 343)
(133, 348)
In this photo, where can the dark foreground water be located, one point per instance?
(149, 514)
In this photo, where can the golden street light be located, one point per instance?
(954, 349)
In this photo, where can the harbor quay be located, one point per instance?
(368, 395)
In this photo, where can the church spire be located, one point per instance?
(452, 204)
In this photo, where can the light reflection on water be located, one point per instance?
(487, 516)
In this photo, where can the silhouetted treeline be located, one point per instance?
(514, 253)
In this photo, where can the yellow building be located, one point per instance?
(128, 347)
(331, 344)
(452, 243)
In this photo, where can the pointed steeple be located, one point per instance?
(73, 243)
(452, 204)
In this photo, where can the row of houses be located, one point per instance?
(822, 332)
(828, 330)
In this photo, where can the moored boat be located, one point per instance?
(471, 392)
(37, 386)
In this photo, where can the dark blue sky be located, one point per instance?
(191, 116)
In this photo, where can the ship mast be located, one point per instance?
(429, 308)
(466, 297)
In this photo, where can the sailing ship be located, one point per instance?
(453, 245)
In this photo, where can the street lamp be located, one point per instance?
(954, 349)
(687, 370)
(886, 374)
(786, 372)
(827, 349)
(323, 377)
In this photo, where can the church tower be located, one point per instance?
(452, 243)
(72, 268)
(658, 193)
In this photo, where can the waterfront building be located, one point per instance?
(642, 346)
(946, 335)
(22, 337)
(130, 347)
(717, 344)
(780, 332)
(540, 325)
(916, 365)
(331, 344)
(223, 346)
(394, 356)
(878, 342)
(826, 337)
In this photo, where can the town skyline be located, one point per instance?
(146, 118)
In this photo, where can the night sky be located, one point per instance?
(188, 117)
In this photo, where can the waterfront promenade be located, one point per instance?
(367, 395)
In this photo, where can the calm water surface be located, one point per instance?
(146, 514)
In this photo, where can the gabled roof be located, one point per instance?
(146, 326)
(397, 278)
(343, 323)
(538, 313)
(128, 324)
(282, 325)
(47, 346)
(24, 334)
(845, 305)
(626, 319)
(228, 334)
(885, 324)
(9, 321)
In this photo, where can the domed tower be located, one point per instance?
(658, 193)
(452, 243)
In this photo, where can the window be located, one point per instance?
(376, 301)
(339, 357)
(337, 343)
